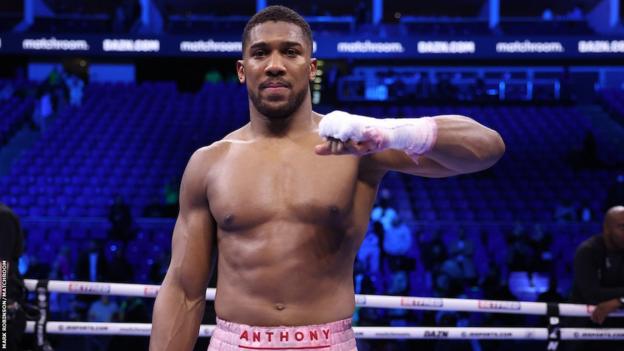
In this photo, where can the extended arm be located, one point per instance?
(180, 302)
(433, 147)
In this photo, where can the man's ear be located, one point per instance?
(313, 63)
(240, 71)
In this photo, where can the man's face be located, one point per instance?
(277, 68)
(614, 229)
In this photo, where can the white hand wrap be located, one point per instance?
(415, 136)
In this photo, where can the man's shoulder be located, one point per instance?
(237, 136)
(205, 153)
(218, 149)
(6, 210)
(211, 153)
(593, 243)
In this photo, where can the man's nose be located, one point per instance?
(275, 66)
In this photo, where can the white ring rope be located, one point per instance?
(485, 333)
(374, 301)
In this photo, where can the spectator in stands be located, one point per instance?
(119, 20)
(540, 242)
(366, 284)
(495, 287)
(369, 255)
(599, 275)
(566, 86)
(455, 274)
(423, 86)
(104, 311)
(7, 91)
(397, 242)
(75, 86)
(433, 252)
(43, 111)
(55, 76)
(462, 245)
(590, 150)
(154, 208)
(520, 254)
(34, 267)
(382, 211)
(454, 319)
(362, 12)
(397, 317)
(171, 193)
(575, 14)
(490, 282)
(446, 91)
(92, 267)
(120, 270)
(55, 86)
(213, 76)
(586, 157)
(398, 286)
(120, 218)
(599, 267)
(158, 269)
(132, 310)
(367, 279)
(62, 265)
(484, 240)
(92, 264)
(479, 90)
(566, 210)
(62, 269)
(11, 248)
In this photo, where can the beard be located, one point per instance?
(282, 111)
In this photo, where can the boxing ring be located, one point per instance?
(553, 333)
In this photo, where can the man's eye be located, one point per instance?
(292, 52)
(258, 53)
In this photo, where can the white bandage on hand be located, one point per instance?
(415, 136)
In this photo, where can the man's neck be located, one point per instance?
(300, 122)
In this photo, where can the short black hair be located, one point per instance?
(277, 13)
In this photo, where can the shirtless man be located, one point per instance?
(286, 199)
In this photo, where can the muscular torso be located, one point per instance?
(289, 224)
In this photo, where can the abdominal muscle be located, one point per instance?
(285, 274)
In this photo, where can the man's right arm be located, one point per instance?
(180, 302)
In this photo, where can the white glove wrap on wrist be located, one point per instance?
(415, 136)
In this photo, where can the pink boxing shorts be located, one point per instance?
(335, 336)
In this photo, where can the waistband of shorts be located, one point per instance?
(336, 335)
(337, 326)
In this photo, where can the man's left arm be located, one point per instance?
(587, 265)
(438, 146)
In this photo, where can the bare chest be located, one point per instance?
(255, 185)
